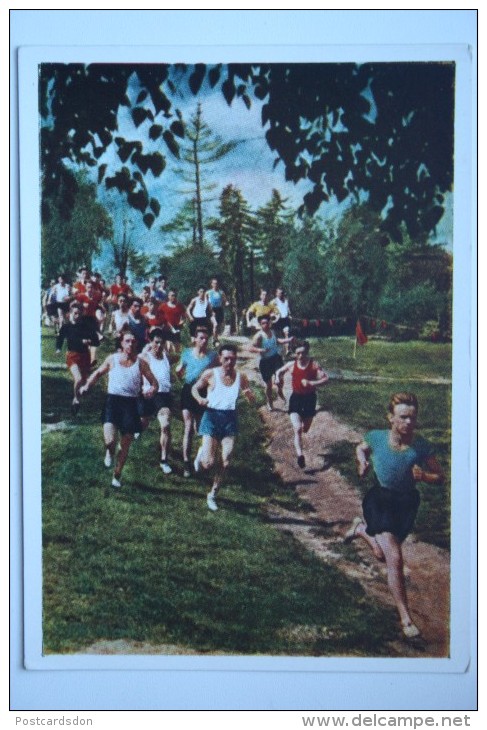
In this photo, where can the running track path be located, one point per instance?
(334, 504)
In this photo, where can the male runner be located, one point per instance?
(174, 315)
(400, 459)
(159, 404)
(194, 361)
(284, 322)
(218, 301)
(307, 375)
(218, 425)
(267, 344)
(260, 307)
(199, 311)
(80, 335)
(121, 410)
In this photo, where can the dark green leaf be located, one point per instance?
(148, 219)
(139, 115)
(155, 205)
(171, 143)
(177, 128)
(214, 75)
(155, 131)
(228, 90)
(196, 78)
(101, 173)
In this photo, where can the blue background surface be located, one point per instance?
(235, 689)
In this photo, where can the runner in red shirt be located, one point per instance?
(307, 375)
(118, 288)
(91, 301)
(174, 314)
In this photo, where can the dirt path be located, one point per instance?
(334, 504)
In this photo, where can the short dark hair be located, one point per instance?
(157, 332)
(137, 300)
(202, 329)
(264, 316)
(301, 343)
(229, 346)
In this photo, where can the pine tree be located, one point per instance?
(200, 150)
(234, 228)
(273, 223)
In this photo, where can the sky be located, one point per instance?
(249, 167)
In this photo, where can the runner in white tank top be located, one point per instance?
(158, 404)
(199, 311)
(124, 379)
(218, 426)
(120, 413)
(223, 397)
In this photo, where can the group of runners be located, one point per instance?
(147, 330)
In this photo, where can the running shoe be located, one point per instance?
(301, 462)
(410, 631)
(187, 469)
(211, 502)
(165, 467)
(116, 483)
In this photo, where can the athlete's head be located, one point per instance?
(402, 413)
(264, 320)
(172, 295)
(201, 337)
(263, 295)
(301, 348)
(228, 357)
(75, 311)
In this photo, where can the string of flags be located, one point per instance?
(362, 327)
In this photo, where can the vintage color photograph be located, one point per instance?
(246, 358)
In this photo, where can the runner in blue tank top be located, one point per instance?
(266, 344)
(218, 301)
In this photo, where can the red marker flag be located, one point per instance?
(360, 335)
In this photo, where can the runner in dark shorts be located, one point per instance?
(400, 459)
(121, 410)
(307, 375)
(194, 360)
(159, 404)
(267, 344)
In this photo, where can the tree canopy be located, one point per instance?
(376, 131)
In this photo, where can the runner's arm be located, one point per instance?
(433, 474)
(246, 389)
(321, 379)
(254, 347)
(60, 338)
(148, 375)
(282, 371)
(203, 382)
(189, 309)
(94, 377)
(362, 453)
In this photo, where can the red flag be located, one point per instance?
(360, 335)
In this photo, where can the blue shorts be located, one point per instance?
(218, 424)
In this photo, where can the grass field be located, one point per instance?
(151, 563)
